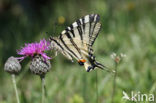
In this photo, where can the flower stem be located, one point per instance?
(84, 89)
(43, 88)
(97, 101)
(15, 88)
(114, 82)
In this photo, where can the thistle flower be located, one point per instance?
(40, 63)
(39, 66)
(12, 65)
(31, 49)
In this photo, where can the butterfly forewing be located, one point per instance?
(57, 45)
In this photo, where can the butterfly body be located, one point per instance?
(76, 41)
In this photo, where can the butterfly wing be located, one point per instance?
(76, 40)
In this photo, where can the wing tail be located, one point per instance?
(93, 65)
(103, 67)
(99, 65)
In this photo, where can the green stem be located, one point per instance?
(97, 88)
(114, 83)
(84, 89)
(15, 88)
(43, 89)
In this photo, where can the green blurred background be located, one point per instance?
(128, 26)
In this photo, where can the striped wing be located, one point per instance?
(76, 40)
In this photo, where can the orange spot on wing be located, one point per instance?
(82, 60)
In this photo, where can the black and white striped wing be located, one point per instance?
(77, 39)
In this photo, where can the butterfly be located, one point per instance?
(76, 41)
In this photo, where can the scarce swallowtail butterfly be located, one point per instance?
(76, 41)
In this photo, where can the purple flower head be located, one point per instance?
(32, 49)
